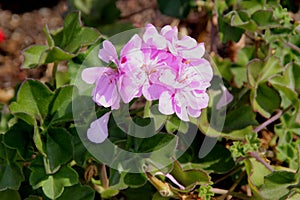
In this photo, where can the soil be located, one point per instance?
(23, 26)
(22, 22)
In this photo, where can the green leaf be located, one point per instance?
(218, 160)
(109, 193)
(239, 118)
(19, 137)
(33, 98)
(116, 180)
(287, 86)
(115, 28)
(240, 76)
(153, 112)
(252, 6)
(264, 19)
(144, 192)
(261, 71)
(11, 174)
(75, 35)
(295, 196)
(266, 100)
(175, 124)
(277, 185)
(52, 184)
(175, 8)
(256, 172)
(206, 129)
(141, 127)
(55, 54)
(48, 36)
(10, 195)
(4, 118)
(33, 197)
(156, 142)
(189, 177)
(37, 138)
(97, 12)
(58, 147)
(228, 32)
(241, 19)
(135, 180)
(224, 67)
(32, 56)
(62, 78)
(78, 192)
(80, 153)
(157, 196)
(60, 109)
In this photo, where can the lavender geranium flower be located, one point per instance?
(158, 66)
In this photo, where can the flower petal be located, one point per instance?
(98, 130)
(135, 43)
(153, 38)
(90, 75)
(194, 53)
(165, 103)
(108, 52)
(225, 99)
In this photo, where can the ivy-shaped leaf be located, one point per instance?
(265, 100)
(241, 19)
(189, 177)
(260, 71)
(239, 118)
(135, 180)
(78, 192)
(63, 44)
(60, 109)
(10, 195)
(228, 32)
(24, 134)
(286, 84)
(75, 35)
(276, 185)
(32, 56)
(218, 160)
(58, 147)
(11, 174)
(33, 99)
(264, 19)
(174, 8)
(206, 129)
(52, 184)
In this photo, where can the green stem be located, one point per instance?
(147, 109)
(47, 167)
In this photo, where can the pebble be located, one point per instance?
(21, 31)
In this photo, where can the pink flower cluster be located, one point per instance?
(159, 66)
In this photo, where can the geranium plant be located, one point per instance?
(150, 114)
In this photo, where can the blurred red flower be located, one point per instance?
(2, 36)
